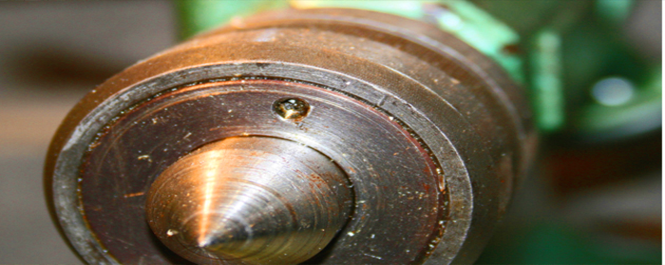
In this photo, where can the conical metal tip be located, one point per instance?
(249, 200)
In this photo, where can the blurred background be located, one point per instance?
(594, 197)
(51, 54)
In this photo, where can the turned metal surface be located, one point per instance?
(432, 134)
(249, 200)
(376, 153)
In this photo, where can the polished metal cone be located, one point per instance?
(249, 200)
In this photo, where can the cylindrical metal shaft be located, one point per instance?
(249, 200)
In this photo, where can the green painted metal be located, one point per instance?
(613, 11)
(524, 37)
(596, 50)
(195, 16)
(410, 9)
(547, 96)
(563, 48)
(485, 33)
(460, 18)
(643, 112)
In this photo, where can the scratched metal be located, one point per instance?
(249, 200)
(394, 180)
(470, 124)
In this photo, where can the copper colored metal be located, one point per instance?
(249, 200)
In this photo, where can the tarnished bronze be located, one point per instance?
(432, 136)
(249, 200)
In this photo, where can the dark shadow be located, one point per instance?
(42, 65)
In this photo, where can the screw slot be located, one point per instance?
(291, 108)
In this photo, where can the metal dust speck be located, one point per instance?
(373, 256)
(136, 194)
(171, 232)
(144, 157)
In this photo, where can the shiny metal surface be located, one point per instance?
(145, 141)
(432, 134)
(249, 200)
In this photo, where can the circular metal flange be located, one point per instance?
(432, 134)
(394, 179)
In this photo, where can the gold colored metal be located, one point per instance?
(249, 200)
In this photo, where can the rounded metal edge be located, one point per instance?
(88, 105)
(65, 167)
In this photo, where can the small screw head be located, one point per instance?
(291, 108)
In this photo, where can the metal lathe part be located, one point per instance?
(433, 135)
(249, 200)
